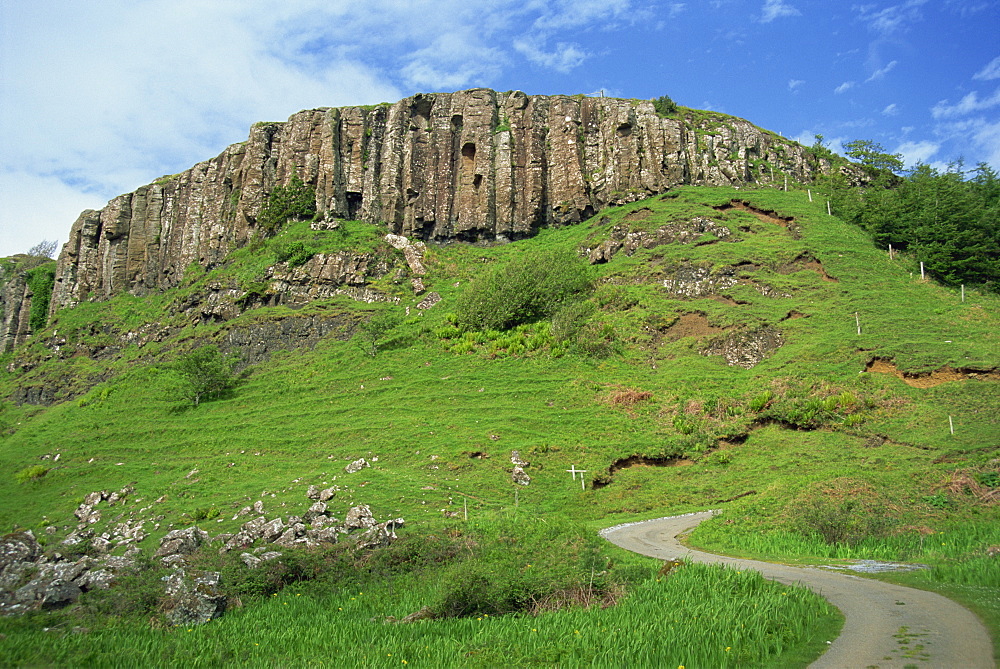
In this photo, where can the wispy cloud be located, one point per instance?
(917, 152)
(990, 72)
(882, 71)
(892, 19)
(563, 58)
(967, 105)
(794, 84)
(844, 87)
(774, 9)
(891, 110)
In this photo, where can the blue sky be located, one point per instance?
(100, 97)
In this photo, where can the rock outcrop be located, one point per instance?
(471, 165)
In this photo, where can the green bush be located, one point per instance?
(524, 289)
(664, 105)
(204, 373)
(40, 280)
(32, 473)
(296, 201)
(295, 253)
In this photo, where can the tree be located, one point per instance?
(873, 156)
(43, 249)
(204, 373)
(373, 332)
(664, 106)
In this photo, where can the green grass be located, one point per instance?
(697, 617)
(806, 425)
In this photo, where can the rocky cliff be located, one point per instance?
(473, 165)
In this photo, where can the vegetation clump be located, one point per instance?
(204, 373)
(296, 201)
(665, 106)
(523, 289)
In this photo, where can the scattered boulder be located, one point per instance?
(181, 542)
(519, 477)
(429, 301)
(356, 466)
(193, 598)
(18, 547)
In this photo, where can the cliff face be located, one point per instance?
(472, 165)
(15, 310)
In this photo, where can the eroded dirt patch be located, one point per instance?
(639, 214)
(930, 379)
(765, 215)
(636, 461)
(806, 261)
(691, 325)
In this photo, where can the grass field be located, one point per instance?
(806, 435)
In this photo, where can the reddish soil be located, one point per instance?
(930, 379)
(691, 325)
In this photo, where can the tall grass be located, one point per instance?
(697, 617)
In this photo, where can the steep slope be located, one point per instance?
(472, 165)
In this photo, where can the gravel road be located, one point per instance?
(885, 624)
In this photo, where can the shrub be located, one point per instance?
(32, 473)
(40, 280)
(843, 511)
(204, 373)
(295, 201)
(295, 253)
(664, 105)
(374, 332)
(522, 290)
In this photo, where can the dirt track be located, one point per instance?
(949, 635)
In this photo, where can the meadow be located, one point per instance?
(811, 455)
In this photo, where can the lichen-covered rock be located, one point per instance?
(746, 349)
(359, 517)
(18, 547)
(356, 466)
(193, 599)
(181, 542)
(519, 476)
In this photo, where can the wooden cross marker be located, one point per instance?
(574, 471)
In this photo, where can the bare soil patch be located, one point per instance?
(807, 262)
(636, 461)
(767, 216)
(930, 379)
(691, 325)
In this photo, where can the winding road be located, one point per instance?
(884, 623)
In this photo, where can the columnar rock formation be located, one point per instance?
(472, 165)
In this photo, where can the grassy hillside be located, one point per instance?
(633, 387)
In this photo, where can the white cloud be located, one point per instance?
(675, 9)
(109, 95)
(967, 105)
(881, 72)
(795, 83)
(891, 110)
(844, 87)
(37, 208)
(892, 19)
(917, 152)
(774, 9)
(562, 59)
(991, 71)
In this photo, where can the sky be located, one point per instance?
(99, 97)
